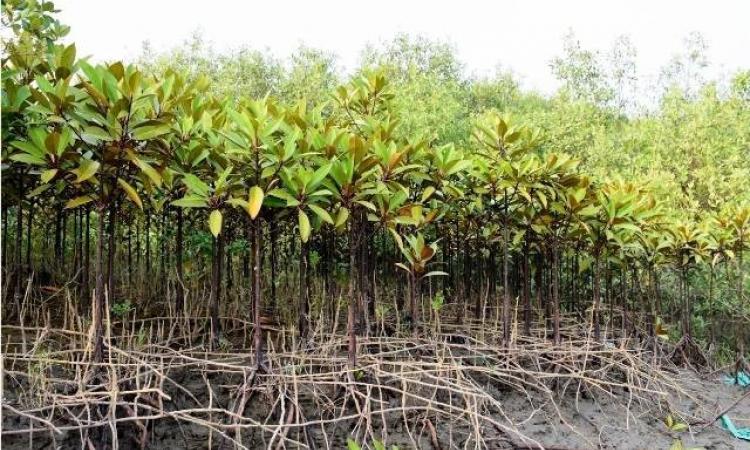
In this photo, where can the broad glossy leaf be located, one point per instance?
(86, 170)
(304, 225)
(147, 132)
(130, 192)
(195, 184)
(78, 201)
(341, 217)
(254, 201)
(435, 273)
(322, 213)
(28, 159)
(191, 201)
(47, 175)
(214, 222)
(150, 172)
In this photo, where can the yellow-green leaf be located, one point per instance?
(78, 201)
(322, 213)
(214, 222)
(341, 217)
(150, 172)
(48, 175)
(130, 192)
(429, 190)
(86, 170)
(254, 201)
(304, 226)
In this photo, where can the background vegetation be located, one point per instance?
(110, 172)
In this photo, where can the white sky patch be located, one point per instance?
(522, 35)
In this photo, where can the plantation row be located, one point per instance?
(362, 210)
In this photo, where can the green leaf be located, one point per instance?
(130, 192)
(238, 203)
(68, 56)
(147, 132)
(47, 175)
(196, 185)
(96, 133)
(322, 213)
(65, 139)
(679, 426)
(28, 159)
(150, 172)
(341, 217)
(254, 201)
(191, 201)
(366, 204)
(215, 221)
(41, 188)
(351, 445)
(304, 226)
(284, 195)
(318, 177)
(29, 148)
(435, 273)
(78, 201)
(86, 170)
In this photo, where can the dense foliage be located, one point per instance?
(408, 186)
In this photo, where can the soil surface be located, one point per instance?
(573, 422)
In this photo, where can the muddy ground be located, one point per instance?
(580, 421)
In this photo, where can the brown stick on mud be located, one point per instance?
(724, 411)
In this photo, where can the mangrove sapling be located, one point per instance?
(418, 255)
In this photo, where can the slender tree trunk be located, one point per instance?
(526, 291)
(574, 275)
(163, 249)
(19, 245)
(87, 256)
(506, 291)
(624, 301)
(112, 252)
(180, 288)
(58, 236)
(413, 306)
(76, 240)
(539, 279)
(79, 246)
(597, 296)
(492, 270)
(216, 260)
(556, 292)
(138, 248)
(130, 253)
(5, 237)
(147, 238)
(685, 302)
(98, 310)
(29, 229)
(274, 236)
(255, 230)
(742, 331)
(303, 322)
(651, 303)
(711, 307)
(63, 240)
(326, 266)
(350, 312)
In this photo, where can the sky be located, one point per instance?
(521, 36)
